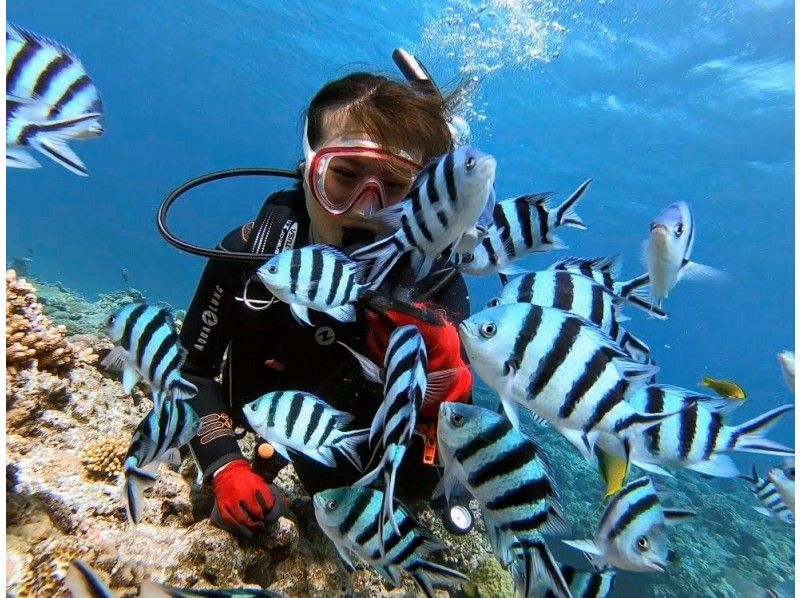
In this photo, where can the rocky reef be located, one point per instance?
(68, 426)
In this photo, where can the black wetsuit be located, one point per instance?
(269, 350)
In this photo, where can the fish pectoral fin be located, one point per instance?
(371, 370)
(651, 468)
(129, 378)
(438, 384)
(55, 147)
(300, 312)
(172, 456)
(17, 157)
(587, 546)
(115, 360)
(695, 271)
(343, 313)
(580, 441)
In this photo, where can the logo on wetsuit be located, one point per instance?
(209, 318)
(325, 335)
(215, 425)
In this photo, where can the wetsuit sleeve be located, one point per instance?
(205, 335)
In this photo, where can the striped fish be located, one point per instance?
(697, 437)
(773, 505)
(148, 348)
(632, 533)
(605, 271)
(508, 475)
(304, 423)
(445, 201)
(45, 72)
(319, 277)
(581, 296)
(404, 383)
(560, 367)
(586, 584)
(156, 440)
(349, 517)
(783, 480)
(27, 126)
(84, 582)
(522, 225)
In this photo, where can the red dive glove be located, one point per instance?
(443, 346)
(243, 500)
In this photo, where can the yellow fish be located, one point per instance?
(614, 470)
(724, 388)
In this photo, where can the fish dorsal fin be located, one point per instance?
(22, 35)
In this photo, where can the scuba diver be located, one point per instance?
(366, 138)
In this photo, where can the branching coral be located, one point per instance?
(32, 341)
(103, 456)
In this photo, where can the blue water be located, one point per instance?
(657, 101)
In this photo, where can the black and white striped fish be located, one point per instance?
(27, 127)
(156, 440)
(304, 423)
(783, 480)
(697, 437)
(579, 295)
(148, 347)
(319, 277)
(632, 533)
(560, 367)
(586, 584)
(522, 225)
(445, 201)
(773, 506)
(405, 379)
(507, 474)
(605, 271)
(49, 75)
(349, 517)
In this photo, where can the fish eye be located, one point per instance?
(111, 319)
(469, 258)
(253, 407)
(469, 163)
(493, 302)
(642, 543)
(272, 269)
(488, 330)
(679, 229)
(457, 420)
(331, 505)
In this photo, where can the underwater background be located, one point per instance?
(656, 101)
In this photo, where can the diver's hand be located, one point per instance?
(244, 502)
(443, 347)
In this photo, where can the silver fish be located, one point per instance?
(148, 347)
(85, 582)
(786, 361)
(772, 503)
(319, 277)
(156, 440)
(349, 517)
(697, 437)
(667, 251)
(522, 225)
(508, 475)
(445, 201)
(304, 423)
(632, 533)
(561, 368)
(783, 480)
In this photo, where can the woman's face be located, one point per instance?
(374, 182)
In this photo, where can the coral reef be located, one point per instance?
(68, 423)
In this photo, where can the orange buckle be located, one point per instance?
(428, 431)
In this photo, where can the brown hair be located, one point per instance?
(392, 113)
